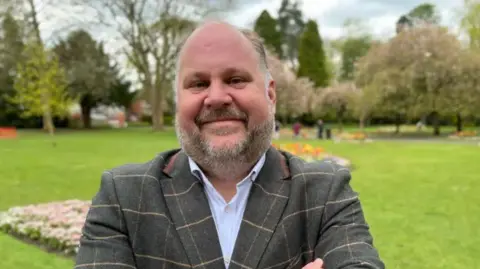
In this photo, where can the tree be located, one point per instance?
(291, 24)
(37, 16)
(89, 71)
(362, 103)
(266, 28)
(40, 86)
(338, 97)
(311, 56)
(422, 80)
(352, 50)
(463, 98)
(294, 95)
(470, 22)
(432, 54)
(354, 44)
(403, 23)
(11, 47)
(32, 12)
(153, 32)
(423, 14)
(122, 96)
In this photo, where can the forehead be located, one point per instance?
(217, 49)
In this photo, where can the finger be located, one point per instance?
(309, 265)
(318, 263)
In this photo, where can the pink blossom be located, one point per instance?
(60, 220)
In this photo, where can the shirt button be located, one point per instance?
(227, 209)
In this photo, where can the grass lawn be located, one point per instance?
(421, 199)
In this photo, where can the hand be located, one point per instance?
(316, 264)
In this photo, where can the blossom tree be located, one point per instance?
(423, 80)
(294, 95)
(340, 98)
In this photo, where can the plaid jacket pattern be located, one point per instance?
(155, 215)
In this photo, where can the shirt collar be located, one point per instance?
(197, 172)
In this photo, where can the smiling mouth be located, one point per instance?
(223, 120)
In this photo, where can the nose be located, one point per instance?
(218, 96)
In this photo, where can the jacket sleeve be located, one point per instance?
(345, 241)
(104, 242)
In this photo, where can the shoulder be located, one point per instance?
(321, 175)
(300, 167)
(149, 169)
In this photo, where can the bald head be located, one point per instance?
(215, 34)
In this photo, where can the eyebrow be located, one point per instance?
(233, 70)
(226, 72)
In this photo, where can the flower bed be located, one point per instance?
(56, 225)
(310, 153)
(465, 134)
(357, 136)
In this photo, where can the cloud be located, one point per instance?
(379, 15)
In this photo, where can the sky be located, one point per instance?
(379, 16)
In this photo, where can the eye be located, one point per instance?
(237, 82)
(199, 84)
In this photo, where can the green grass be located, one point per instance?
(421, 199)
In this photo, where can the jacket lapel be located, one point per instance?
(191, 214)
(265, 206)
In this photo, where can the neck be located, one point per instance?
(228, 172)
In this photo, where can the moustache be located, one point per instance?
(208, 116)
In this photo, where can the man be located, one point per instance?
(278, 126)
(226, 199)
(320, 129)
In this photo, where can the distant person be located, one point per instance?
(320, 128)
(420, 126)
(226, 198)
(296, 128)
(278, 126)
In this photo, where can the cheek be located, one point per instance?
(187, 110)
(258, 110)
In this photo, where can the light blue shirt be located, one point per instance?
(228, 216)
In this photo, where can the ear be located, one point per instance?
(272, 92)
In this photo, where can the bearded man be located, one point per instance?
(227, 198)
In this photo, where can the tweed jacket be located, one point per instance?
(156, 215)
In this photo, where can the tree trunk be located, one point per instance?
(436, 124)
(86, 117)
(158, 103)
(48, 124)
(398, 122)
(34, 21)
(86, 104)
(47, 114)
(459, 122)
(362, 122)
(340, 113)
(157, 117)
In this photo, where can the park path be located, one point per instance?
(429, 140)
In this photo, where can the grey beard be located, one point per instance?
(246, 152)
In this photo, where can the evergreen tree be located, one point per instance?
(353, 49)
(311, 56)
(291, 25)
(266, 28)
(90, 73)
(11, 47)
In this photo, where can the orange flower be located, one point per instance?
(304, 150)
